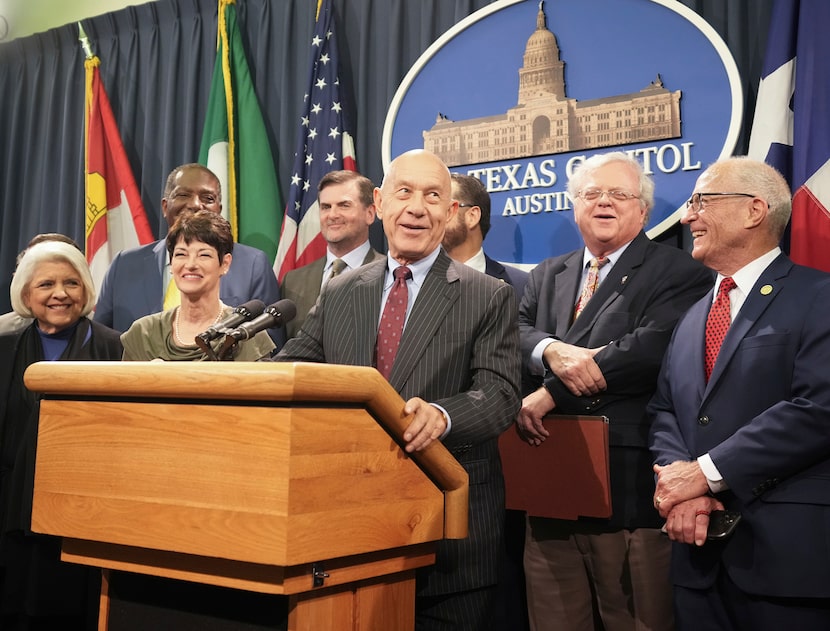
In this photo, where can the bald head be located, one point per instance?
(415, 202)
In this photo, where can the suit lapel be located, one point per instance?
(495, 269)
(755, 304)
(611, 287)
(153, 292)
(692, 345)
(440, 292)
(567, 283)
(310, 283)
(365, 310)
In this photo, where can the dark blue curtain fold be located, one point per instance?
(156, 64)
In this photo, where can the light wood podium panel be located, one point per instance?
(253, 476)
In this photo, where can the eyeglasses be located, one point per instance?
(592, 194)
(697, 202)
(466, 205)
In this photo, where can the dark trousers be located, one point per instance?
(461, 611)
(724, 607)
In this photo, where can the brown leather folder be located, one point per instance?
(566, 476)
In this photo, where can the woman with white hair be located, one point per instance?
(52, 287)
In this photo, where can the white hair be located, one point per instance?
(49, 251)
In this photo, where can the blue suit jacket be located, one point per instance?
(764, 418)
(132, 287)
(509, 274)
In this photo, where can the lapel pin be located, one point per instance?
(624, 278)
(766, 290)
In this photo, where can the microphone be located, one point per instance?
(277, 314)
(242, 313)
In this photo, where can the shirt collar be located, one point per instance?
(419, 269)
(746, 277)
(478, 262)
(613, 257)
(353, 259)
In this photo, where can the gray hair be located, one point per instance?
(759, 179)
(588, 167)
(49, 251)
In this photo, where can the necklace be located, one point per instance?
(179, 340)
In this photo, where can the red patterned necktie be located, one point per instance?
(591, 283)
(717, 324)
(392, 321)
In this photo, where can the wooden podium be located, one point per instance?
(272, 478)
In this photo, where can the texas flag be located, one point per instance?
(115, 217)
(791, 128)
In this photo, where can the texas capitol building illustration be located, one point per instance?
(545, 121)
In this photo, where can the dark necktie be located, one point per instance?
(717, 324)
(337, 266)
(392, 321)
(591, 283)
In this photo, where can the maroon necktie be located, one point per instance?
(392, 321)
(717, 324)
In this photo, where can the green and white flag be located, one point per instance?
(235, 143)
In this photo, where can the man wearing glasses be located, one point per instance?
(741, 418)
(594, 325)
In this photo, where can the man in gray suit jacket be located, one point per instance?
(136, 281)
(457, 366)
(604, 361)
(346, 212)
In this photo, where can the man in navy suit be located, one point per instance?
(457, 367)
(604, 361)
(754, 435)
(467, 230)
(136, 282)
(463, 241)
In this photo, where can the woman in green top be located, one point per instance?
(200, 246)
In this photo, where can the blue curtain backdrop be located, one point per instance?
(156, 64)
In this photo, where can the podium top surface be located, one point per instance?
(247, 381)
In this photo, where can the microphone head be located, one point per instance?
(283, 311)
(274, 315)
(251, 309)
(243, 313)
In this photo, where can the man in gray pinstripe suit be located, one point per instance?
(457, 366)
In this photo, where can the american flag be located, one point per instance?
(791, 128)
(323, 145)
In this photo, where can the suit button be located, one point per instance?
(703, 420)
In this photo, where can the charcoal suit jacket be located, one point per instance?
(632, 314)
(459, 350)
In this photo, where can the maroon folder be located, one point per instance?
(566, 476)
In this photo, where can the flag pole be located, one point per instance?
(84, 41)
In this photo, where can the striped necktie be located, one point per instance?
(337, 266)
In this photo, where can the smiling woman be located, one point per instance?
(200, 247)
(51, 293)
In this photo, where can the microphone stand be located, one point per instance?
(204, 345)
(226, 351)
